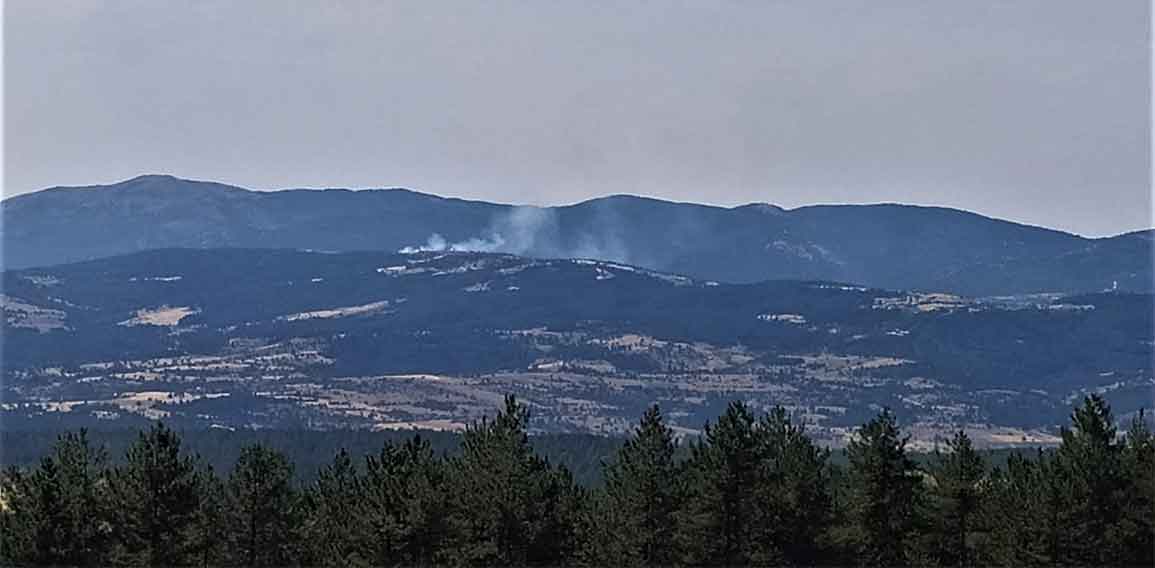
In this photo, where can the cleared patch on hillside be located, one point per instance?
(346, 311)
(18, 313)
(162, 316)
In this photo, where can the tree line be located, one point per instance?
(24, 443)
(752, 490)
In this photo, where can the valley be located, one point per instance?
(262, 339)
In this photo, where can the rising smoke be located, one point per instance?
(517, 232)
(536, 231)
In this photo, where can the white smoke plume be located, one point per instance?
(535, 231)
(518, 232)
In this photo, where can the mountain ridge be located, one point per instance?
(613, 196)
(887, 245)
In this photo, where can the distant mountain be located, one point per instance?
(890, 246)
(268, 337)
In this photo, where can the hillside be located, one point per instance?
(278, 338)
(888, 246)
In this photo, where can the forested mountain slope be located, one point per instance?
(889, 245)
(286, 338)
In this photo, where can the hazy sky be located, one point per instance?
(1036, 111)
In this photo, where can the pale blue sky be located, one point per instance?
(1036, 111)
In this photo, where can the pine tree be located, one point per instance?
(156, 491)
(17, 518)
(556, 541)
(263, 509)
(509, 506)
(61, 508)
(643, 491)
(719, 521)
(334, 534)
(210, 527)
(794, 494)
(424, 500)
(757, 492)
(1067, 506)
(405, 505)
(956, 497)
(1018, 513)
(1090, 487)
(1137, 524)
(884, 486)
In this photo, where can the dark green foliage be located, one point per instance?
(759, 492)
(1089, 502)
(1090, 487)
(332, 531)
(754, 490)
(1019, 513)
(17, 520)
(644, 487)
(1137, 524)
(795, 493)
(405, 504)
(263, 509)
(157, 495)
(311, 450)
(210, 529)
(720, 519)
(885, 486)
(60, 512)
(508, 506)
(956, 494)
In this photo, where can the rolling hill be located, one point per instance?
(887, 246)
(282, 338)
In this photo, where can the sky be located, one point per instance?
(1034, 111)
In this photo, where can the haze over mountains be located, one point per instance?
(886, 246)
